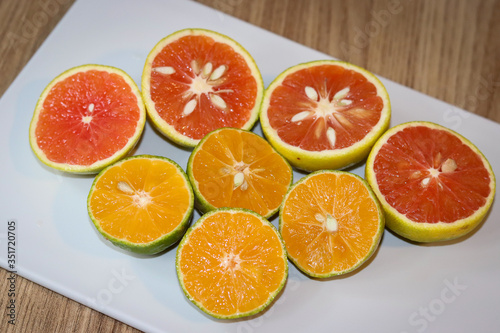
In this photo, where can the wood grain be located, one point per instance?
(448, 49)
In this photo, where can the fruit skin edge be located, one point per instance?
(423, 232)
(201, 204)
(272, 297)
(378, 234)
(168, 130)
(335, 159)
(161, 243)
(99, 165)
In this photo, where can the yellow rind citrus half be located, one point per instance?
(196, 80)
(87, 118)
(433, 183)
(325, 114)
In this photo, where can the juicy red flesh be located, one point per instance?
(404, 162)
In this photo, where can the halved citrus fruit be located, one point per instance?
(433, 183)
(142, 203)
(325, 114)
(236, 168)
(87, 118)
(331, 223)
(196, 81)
(231, 263)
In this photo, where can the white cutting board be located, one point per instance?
(404, 288)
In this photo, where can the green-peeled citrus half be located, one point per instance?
(232, 167)
(232, 263)
(142, 203)
(331, 223)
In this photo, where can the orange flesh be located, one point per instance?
(64, 136)
(350, 122)
(310, 243)
(157, 206)
(218, 160)
(170, 93)
(407, 158)
(232, 263)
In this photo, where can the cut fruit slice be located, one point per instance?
(231, 263)
(433, 183)
(196, 81)
(325, 114)
(142, 203)
(331, 223)
(236, 168)
(87, 118)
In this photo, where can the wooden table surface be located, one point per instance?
(446, 49)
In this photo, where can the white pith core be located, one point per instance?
(206, 78)
(325, 108)
(140, 198)
(200, 86)
(230, 261)
(240, 172)
(447, 166)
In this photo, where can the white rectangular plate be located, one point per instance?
(405, 288)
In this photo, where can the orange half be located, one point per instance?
(231, 263)
(237, 168)
(142, 203)
(331, 223)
